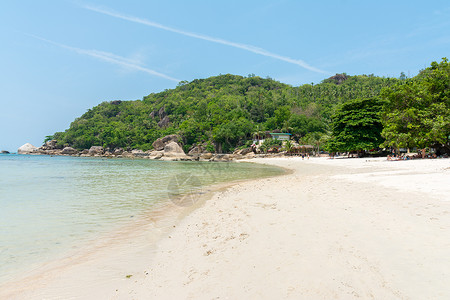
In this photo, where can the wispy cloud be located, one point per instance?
(246, 47)
(109, 57)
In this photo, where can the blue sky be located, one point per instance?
(59, 58)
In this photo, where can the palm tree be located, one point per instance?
(288, 146)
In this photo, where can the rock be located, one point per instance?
(196, 150)
(27, 149)
(49, 145)
(85, 151)
(118, 151)
(162, 112)
(222, 157)
(54, 152)
(250, 155)
(156, 154)
(161, 142)
(69, 150)
(127, 154)
(172, 149)
(164, 122)
(158, 145)
(338, 78)
(187, 158)
(96, 150)
(245, 151)
(4, 152)
(206, 155)
(139, 153)
(170, 158)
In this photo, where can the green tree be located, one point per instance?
(233, 133)
(222, 110)
(279, 119)
(356, 126)
(270, 143)
(301, 125)
(288, 146)
(417, 112)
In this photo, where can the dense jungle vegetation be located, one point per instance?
(226, 111)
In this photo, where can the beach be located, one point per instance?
(328, 229)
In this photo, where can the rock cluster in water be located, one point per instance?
(166, 148)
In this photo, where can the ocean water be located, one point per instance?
(49, 203)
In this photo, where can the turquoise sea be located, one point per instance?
(49, 203)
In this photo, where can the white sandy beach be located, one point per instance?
(332, 229)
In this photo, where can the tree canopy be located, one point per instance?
(224, 110)
(417, 110)
(356, 125)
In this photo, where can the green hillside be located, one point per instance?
(223, 110)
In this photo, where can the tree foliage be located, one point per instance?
(417, 112)
(223, 110)
(356, 126)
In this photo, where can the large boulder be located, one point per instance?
(160, 143)
(4, 152)
(197, 150)
(27, 149)
(96, 150)
(69, 151)
(172, 149)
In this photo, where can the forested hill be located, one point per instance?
(224, 111)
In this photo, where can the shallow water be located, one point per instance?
(49, 203)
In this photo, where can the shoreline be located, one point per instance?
(329, 229)
(151, 225)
